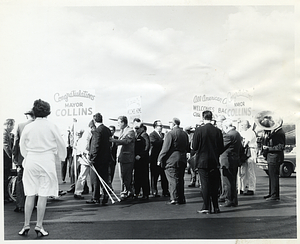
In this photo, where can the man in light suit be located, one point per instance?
(156, 141)
(125, 155)
(17, 160)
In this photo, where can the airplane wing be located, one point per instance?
(167, 127)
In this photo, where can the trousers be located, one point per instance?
(210, 182)
(274, 179)
(157, 171)
(247, 177)
(175, 176)
(126, 170)
(229, 183)
(20, 196)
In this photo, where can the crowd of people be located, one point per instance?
(220, 157)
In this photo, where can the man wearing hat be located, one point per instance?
(17, 160)
(173, 159)
(273, 149)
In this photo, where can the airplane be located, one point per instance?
(167, 127)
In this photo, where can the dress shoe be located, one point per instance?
(93, 201)
(40, 230)
(24, 230)
(181, 201)
(203, 211)
(273, 198)
(145, 197)
(173, 202)
(241, 192)
(229, 204)
(79, 197)
(72, 190)
(61, 192)
(216, 211)
(19, 210)
(267, 196)
(166, 194)
(248, 193)
(192, 185)
(156, 195)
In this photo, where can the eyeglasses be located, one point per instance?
(136, 128)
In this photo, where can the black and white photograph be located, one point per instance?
(169, 121)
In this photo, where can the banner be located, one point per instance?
(213, 102)
(73, 106)
(134, 108)
(240, 105)
(236, 105)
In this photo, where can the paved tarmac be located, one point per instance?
(255, 218)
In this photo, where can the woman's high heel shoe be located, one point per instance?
(24, 230)
(41, 231)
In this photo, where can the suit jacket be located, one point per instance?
(17, 156)
(276, 143)
(208, 145)
(175, 147)
(232, 147)
(100, 146)
(156, 142)
(126, 143)
(113, 149)
(142, 146)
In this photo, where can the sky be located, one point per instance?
(167, 55)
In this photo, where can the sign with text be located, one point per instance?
(236, 105)
(73, 106)
(215, 103)
(134, 108)
(239, 104)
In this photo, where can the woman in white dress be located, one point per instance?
(41, 146)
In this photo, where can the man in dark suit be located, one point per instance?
(230, 161)
(208, 145)
(273, 149)
(141, 164)
(125, 155)
(113, 150)
(17, 160)
(173, 159)
(99, 155)
(156, 141)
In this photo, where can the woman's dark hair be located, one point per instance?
(41, 108)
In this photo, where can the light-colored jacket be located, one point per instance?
(42, 136)
(126, 143)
